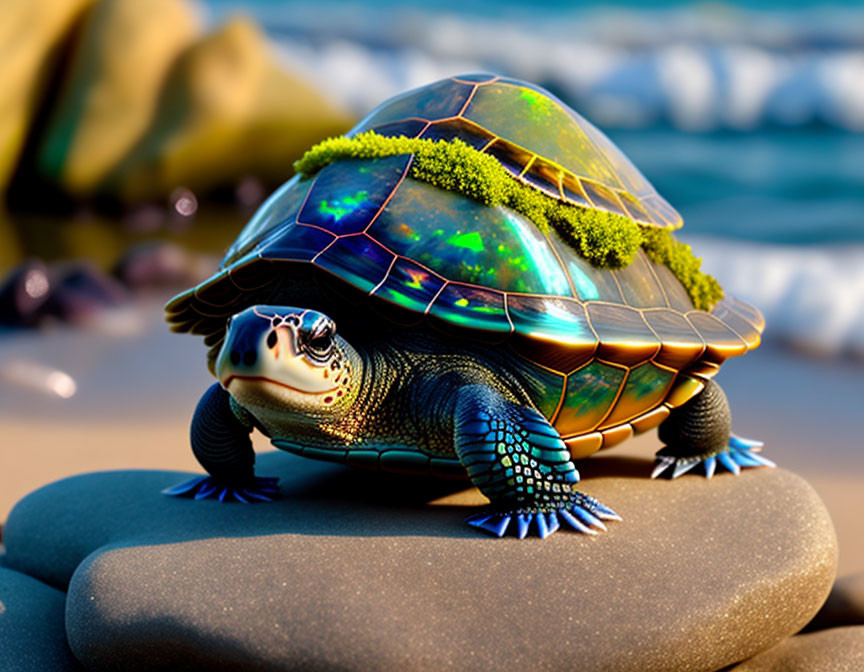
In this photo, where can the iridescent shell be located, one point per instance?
(610, 352)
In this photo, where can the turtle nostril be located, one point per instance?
(249, 357)
(235, 357)
(272, 340)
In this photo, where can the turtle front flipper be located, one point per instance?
(221, 443)
(518, 460)
(699, 433)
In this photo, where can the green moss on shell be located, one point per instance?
(604, 239)
(662, 248)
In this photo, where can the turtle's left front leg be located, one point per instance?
(518, 460)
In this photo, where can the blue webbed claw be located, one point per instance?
(581, 513)
(205, 487)
(730, 464)
(740, 443)
(739, 453)
(552, 522)
(185, 487)
(523, 521)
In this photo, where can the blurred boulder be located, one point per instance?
(23, 294)
(81, 292)
(72, 292)
(32, 33)
(161, 264)
(229, 109)
(118, 66)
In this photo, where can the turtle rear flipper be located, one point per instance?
(518, 460)
(220, 441)
(699, 433)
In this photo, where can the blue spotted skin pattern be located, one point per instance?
(518, 460)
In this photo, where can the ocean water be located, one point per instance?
(748, 117)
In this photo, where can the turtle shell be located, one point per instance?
(609, 351)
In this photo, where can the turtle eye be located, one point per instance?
(321, 343)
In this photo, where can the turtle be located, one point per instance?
(472, 341)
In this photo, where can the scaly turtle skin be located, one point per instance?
(471, 342)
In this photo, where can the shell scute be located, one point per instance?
(572, 191)
(603, 198)
(358, 260)
(545, 388)
(514, 159)
(250, 274)
(544, 176)
(639, 285)
(539, 122)
(743, 318)
(676, 295)
(295, 242)
(461, 128)
(410, 285)
(721, 342)
(634, 208)
(410, 128)
(590, 393)
(348, 195)
(476, 309)
(680, 343)
(625, 337)
(551, 331)
(215, 293)
(440, 100)
(646, 387)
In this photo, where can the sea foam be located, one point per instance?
(692, 68)
(812, 297)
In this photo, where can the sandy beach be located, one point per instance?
(135, 396)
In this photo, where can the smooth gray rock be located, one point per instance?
(352, 570)
(32, 634)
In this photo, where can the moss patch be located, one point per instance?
(662, 248)
(604, 239)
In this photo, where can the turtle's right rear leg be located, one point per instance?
(699, 432)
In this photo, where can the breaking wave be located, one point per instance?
(695, 68)
(812, 298)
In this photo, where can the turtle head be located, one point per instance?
(282, 359)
